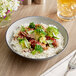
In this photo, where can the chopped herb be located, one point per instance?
(22, 28)
(32, 25)
(40, 31)
(20, 39)
(38, 48)
(21, 42)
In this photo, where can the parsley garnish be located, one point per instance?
(32, 25)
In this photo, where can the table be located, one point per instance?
(14, 65)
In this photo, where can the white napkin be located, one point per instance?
(61, 67)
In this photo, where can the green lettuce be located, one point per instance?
(38, 48)
(24, 43)
(51, 31)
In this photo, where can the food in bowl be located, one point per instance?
(37, 40)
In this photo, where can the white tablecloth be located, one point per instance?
(60, 68)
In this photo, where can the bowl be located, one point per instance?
(35, 19)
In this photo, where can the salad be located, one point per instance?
(37, 38)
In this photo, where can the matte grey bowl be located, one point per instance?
(35, 19)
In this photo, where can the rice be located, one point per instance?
(45, 54)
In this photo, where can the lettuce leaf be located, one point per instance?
(24, 43)
(52, 30)
(38, 49)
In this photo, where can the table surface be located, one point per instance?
(14, 65)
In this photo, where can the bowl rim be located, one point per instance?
(37, 58)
